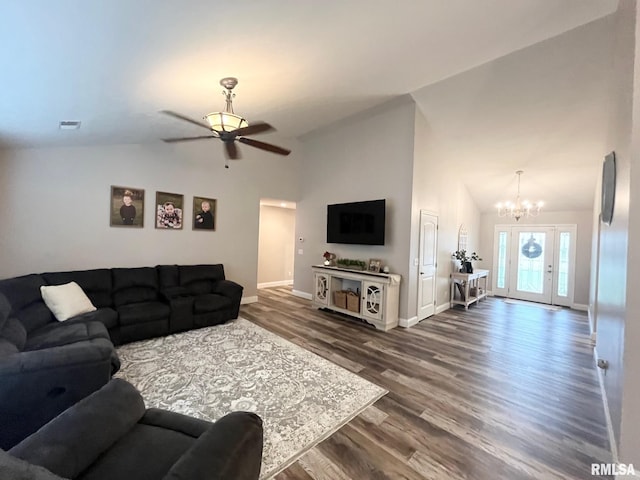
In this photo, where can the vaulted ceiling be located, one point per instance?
(302, 64)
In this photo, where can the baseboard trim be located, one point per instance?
(443, 308)
(580, 306)
(280, 283)
(301, 294)
(407, 322)
(607, 415)
(246, 300)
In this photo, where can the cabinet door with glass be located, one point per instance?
(321, 288)
(372, 300)
(535, 263)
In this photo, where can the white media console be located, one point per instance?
(379, 294)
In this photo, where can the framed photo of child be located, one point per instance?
(169, 208)
(127, 207)
(375, 265)
(204, 213)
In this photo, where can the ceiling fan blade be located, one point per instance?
(186, 119)
(184, 139)
(256, 127)
(264, 146)
(232, 150)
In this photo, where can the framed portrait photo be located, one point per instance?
(375, 264)
(204, 214)
(169, 210)
(127, 207)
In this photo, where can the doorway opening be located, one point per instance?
(276, 243)
(535, 263)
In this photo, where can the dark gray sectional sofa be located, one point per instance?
(46, 366)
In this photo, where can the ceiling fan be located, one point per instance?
(229, 127)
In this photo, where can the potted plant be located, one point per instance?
(351, 264)
(465, 260)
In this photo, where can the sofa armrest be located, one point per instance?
(230, 448)
(35, 386)
(73, 440)
(228, 289)
(95, 350)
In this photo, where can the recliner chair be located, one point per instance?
(110, 435)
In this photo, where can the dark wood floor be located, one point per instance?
(499, 391)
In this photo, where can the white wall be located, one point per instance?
(437, 188)
(630, 424)
(613, 298)
(55, 213)
(365, 157)
(584, 221)
(276, 244)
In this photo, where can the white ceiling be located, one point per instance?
(301, 64)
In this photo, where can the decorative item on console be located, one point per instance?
(351, 264)
(329, 259)
(465, 261)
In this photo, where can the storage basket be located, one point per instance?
(353, 301)
(340, 298)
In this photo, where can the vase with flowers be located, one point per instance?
(328, 258)
(465, 260)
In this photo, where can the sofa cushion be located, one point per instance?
(15, 469)
(5, 309)
(133, 285)
(26, 301)
(106, 316)
(97, 284)
(210, 303)
(58, 334)
(148, 450)
(66, 301)
(14, 333)
(142, 312)
(200, 279)
(7, 348)
(168, 276)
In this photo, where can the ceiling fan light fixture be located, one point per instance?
(225, 121)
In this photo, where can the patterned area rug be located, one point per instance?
(301, 397)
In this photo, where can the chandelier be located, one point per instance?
(520, 208)
(226, 121)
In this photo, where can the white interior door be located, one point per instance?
(427, 265)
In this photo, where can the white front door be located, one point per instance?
(532, 261)
(535, 263)
(427, 265)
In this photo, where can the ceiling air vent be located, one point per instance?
(69, 125)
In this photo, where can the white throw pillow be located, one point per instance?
(66, 301)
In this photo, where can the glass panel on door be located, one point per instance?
(563, 264)
(531, 256)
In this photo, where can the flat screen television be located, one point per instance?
(358, 223)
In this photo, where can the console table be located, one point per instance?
(472, 287)
(379, 293)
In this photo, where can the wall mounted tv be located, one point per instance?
(358, 223)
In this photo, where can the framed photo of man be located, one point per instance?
(127, 207)
(204, 213)
(169, 210)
